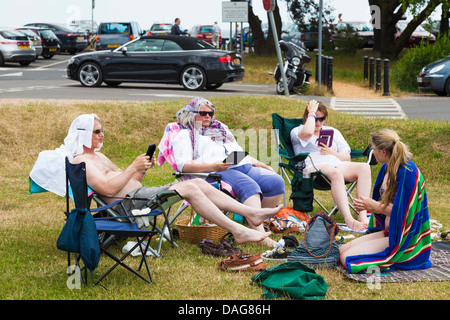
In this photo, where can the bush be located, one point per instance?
(405, 71)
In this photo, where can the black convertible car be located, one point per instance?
(190, 62)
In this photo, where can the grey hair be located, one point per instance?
(186, 118)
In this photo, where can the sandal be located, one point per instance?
(242, 262)
(218, 250)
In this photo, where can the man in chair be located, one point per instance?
(108, 181)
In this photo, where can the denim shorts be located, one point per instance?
(248, 180)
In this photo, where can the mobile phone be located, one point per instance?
(235, 157)
(151, 150)
(325, 137)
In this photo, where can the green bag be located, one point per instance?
(292, 279)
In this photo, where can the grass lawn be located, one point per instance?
(32, 268)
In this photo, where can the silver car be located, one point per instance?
(34, 37)
(16, 47)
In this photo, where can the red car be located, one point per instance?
(416, 37)
(204, 32)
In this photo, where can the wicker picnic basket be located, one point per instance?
(195, 234)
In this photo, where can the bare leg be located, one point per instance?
(368, 244)
(339, 194)
(208, 201)
(359, 172)
(255, 202)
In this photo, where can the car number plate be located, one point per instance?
(80, 38)
(419, 79)
(113, 45)
(314, 35)
(52, 49)
(209, 36)
(24, 47)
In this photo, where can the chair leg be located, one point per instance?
(120, 261)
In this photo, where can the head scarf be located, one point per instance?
(217, 131)
(49, 170)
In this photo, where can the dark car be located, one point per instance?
(308, 34)
(188, 61)
(362, 30)
(418, 35)
(49, 41)
(70, 40)
(436, 77)
(112, 35)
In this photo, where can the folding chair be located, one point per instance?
(166, 155)
(108, 228)
(291, 166)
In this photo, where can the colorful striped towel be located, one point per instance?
(409, 227)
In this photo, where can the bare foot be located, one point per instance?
(261, 214)
(267, 242)
(356, 225)
(249, 235)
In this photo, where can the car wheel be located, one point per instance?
(90, 74)
(447, 87)
(193, 78)
(2, 61)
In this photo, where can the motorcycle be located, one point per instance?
(295, 59)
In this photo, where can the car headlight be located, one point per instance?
(296, 61)
(437, 68)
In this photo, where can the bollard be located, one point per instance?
(378, 75)
(371, 60)
(317, 67)
(366, 62)
(330, 75)
(324, 69)
(386, 77)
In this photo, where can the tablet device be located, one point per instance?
(151, 150)
(325, 137)
(235, 157)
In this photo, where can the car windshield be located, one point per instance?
(360, 26)
(13, 35)
(27, 32)
(47, 34)
(115, 28)
(153, 45)
(161, 27)
(206, 29)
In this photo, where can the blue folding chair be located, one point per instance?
(112, 228)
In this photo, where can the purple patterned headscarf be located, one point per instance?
(217, 131)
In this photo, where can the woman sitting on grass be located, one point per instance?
(399, 213)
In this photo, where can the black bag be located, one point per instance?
(319, 247)
(302, 192)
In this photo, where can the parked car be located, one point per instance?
(15, 47)
(88, 26)
(49, 41)
(34, 37)
(70, 40)
(112, 35)
(188, 61)
(160, 29)
(362, 30)
(309, 35)
(436, 77)
(416, 37)
(203, 32)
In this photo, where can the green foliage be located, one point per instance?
(408, 67)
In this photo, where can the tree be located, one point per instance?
(263, 46)
(305, 12)
(391, 11)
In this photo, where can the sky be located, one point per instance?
(146, 12)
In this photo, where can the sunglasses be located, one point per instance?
(204, 113)
(320, 119)
(98, 131)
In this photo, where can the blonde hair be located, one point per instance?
(388, 140)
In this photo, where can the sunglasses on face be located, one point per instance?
(320, 119)
(98, 131)
(204, 113)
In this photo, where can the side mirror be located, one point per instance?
(124, 51)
